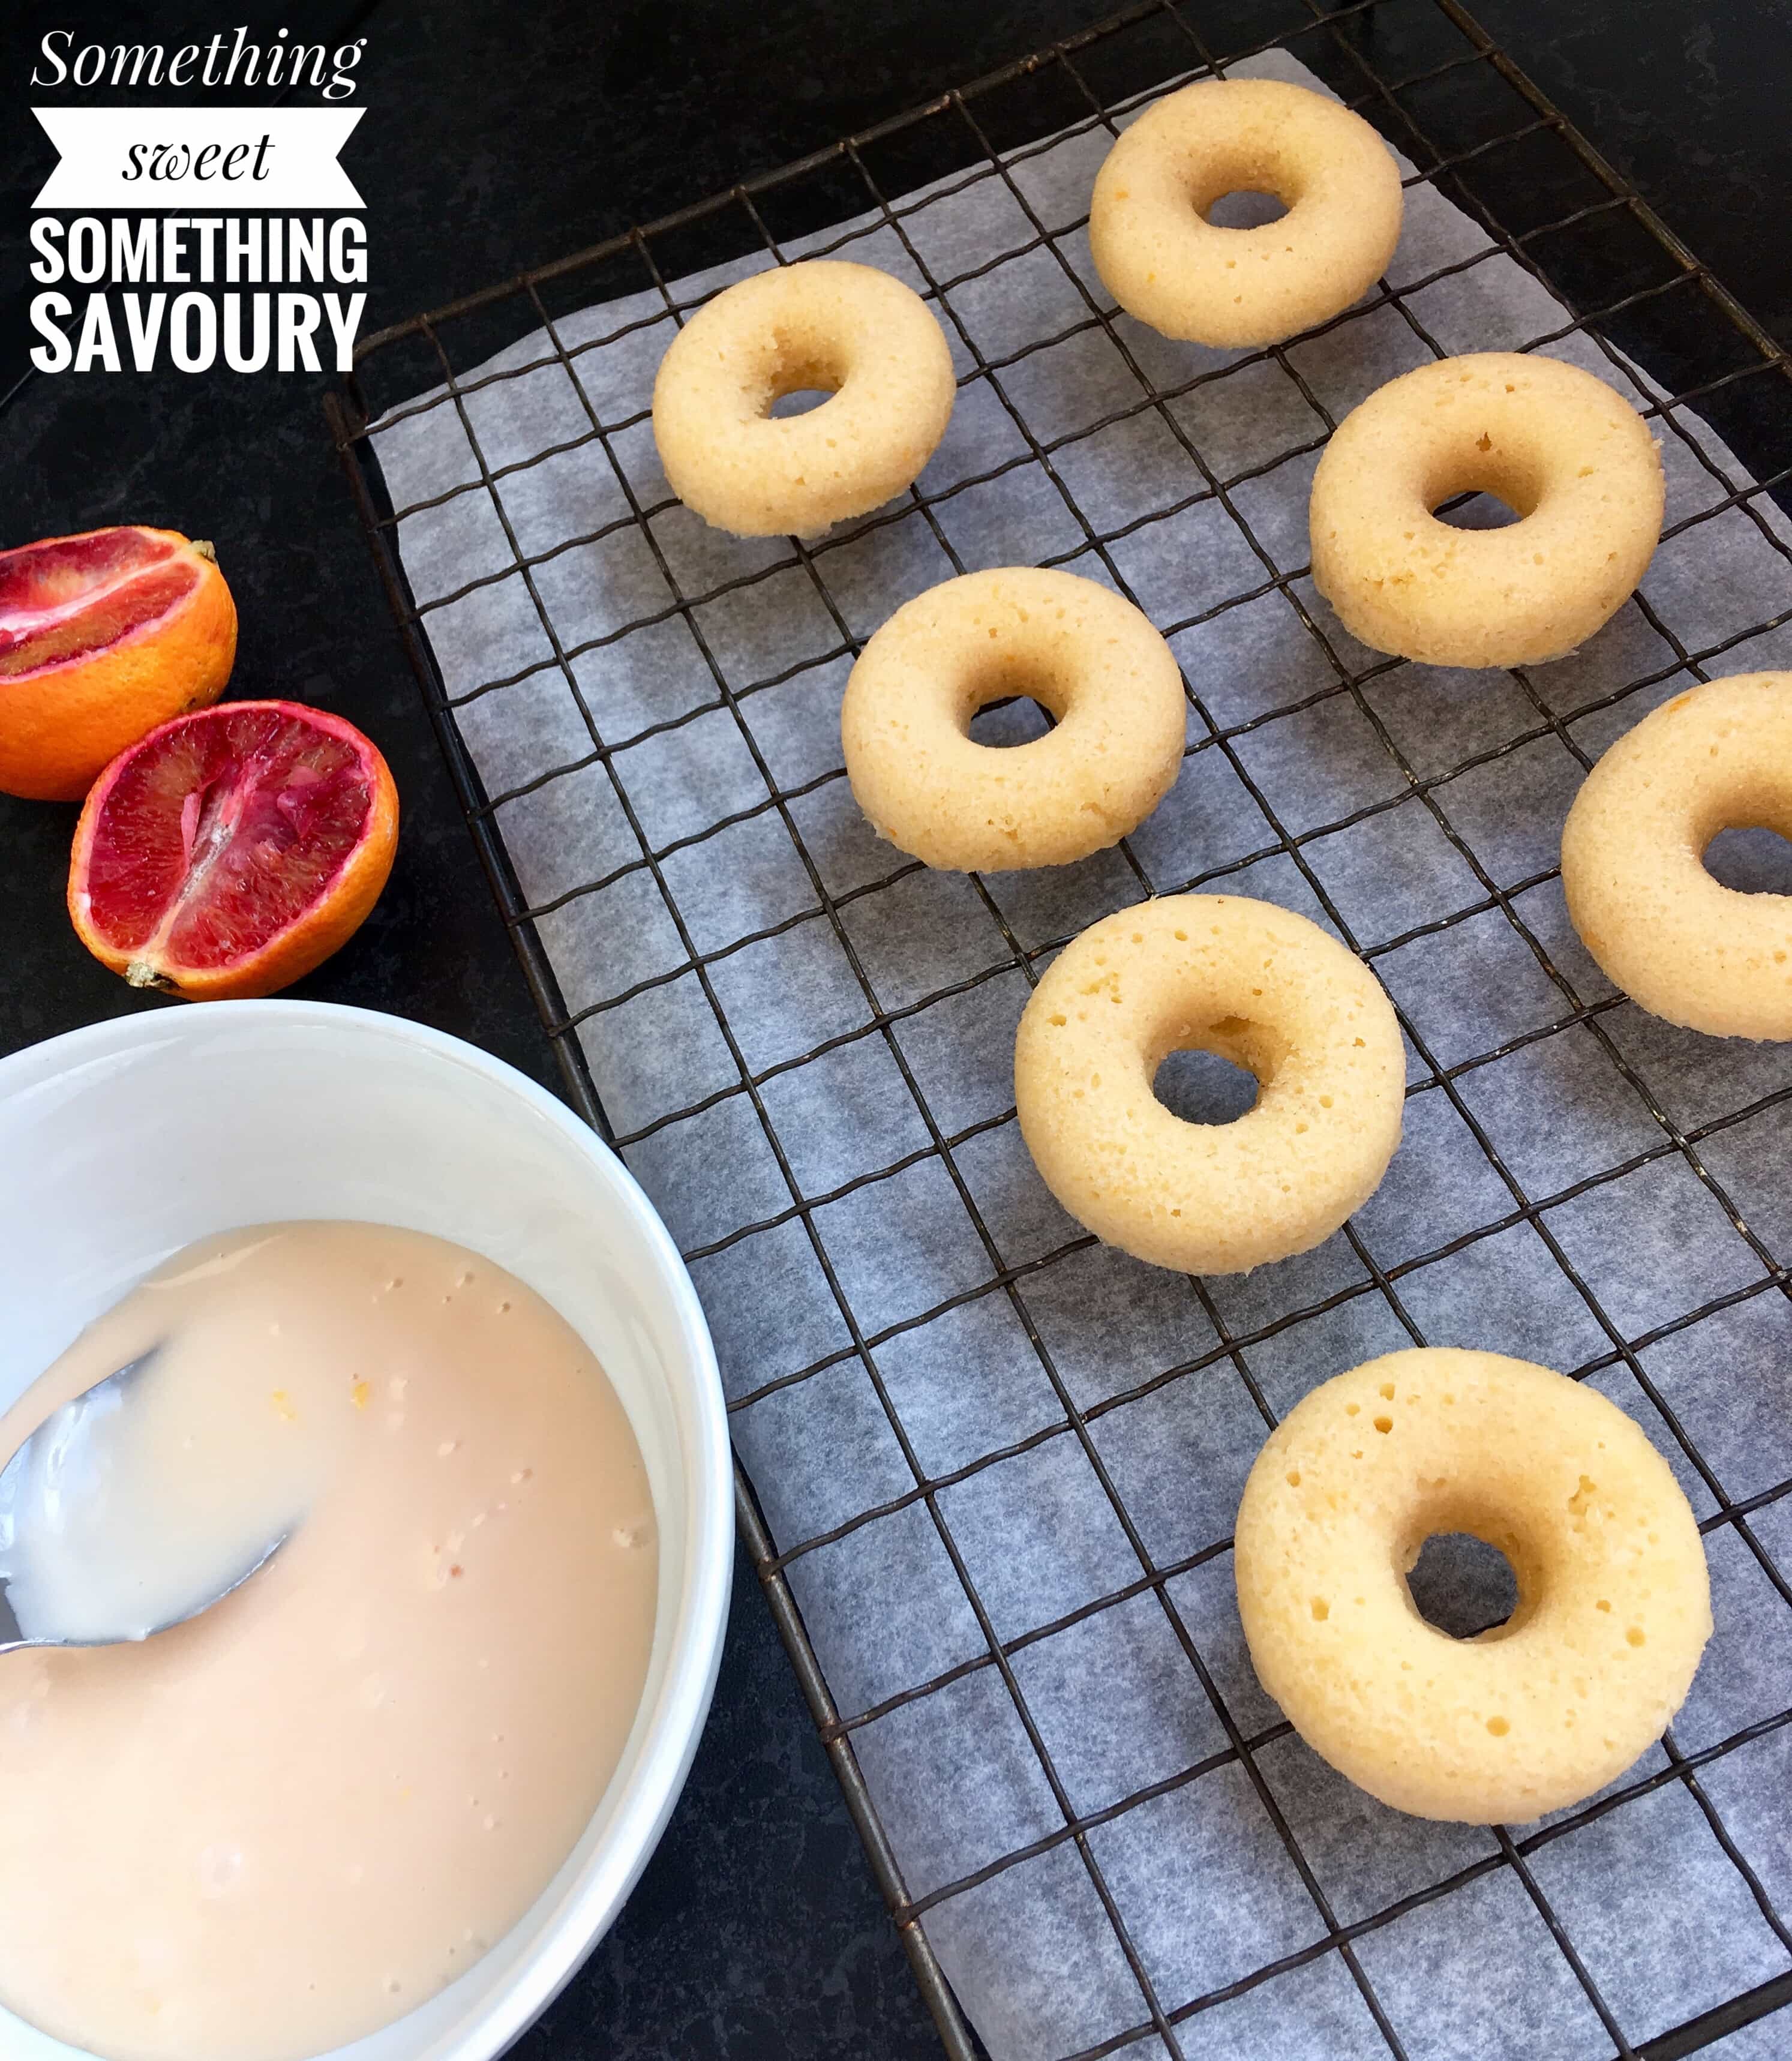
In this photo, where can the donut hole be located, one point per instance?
(799, 401)
(1213, 1073)
(1008, 721)
(1750, 858)
(795, 378)
(1244, 208)
(1012, 697)
(1463, 1586)
(1482, 485)
(1205, 1087)
(1476, 511)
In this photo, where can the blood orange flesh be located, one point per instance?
(70, 597)
(101, 637)
(232, 848)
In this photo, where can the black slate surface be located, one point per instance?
(501, 136)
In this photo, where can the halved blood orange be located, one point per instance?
(232, 850)
(101, 637)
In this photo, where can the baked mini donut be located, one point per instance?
(1165, 263)
(1076, 648)
(1614, 1603)
(1569, 455)
(855, 331)
(1687, 948)
(1259, 986)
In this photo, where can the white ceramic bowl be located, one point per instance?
(121, 1143)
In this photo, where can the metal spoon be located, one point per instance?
(52, 1453)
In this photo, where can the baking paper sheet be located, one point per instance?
(965, 1334)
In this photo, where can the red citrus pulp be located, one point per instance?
(101, 637)
(230, 851)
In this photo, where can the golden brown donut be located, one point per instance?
(1262, 987)
(1185, 277)
(846, 328)
(1687, 948)
(1071, 645)
(1568, 454)
(1614, 1602)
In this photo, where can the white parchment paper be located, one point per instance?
(935, 1344)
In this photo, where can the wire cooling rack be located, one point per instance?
(1481, 133)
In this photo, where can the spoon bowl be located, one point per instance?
(53, 1496)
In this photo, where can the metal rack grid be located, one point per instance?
(1425, 72)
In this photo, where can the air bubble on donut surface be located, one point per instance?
(1353, 1409)
(1321, 1610)
(1384, 1423)
(1498, 1726)
(1636, 1636)
(1387, 1390)
(1293, 1477)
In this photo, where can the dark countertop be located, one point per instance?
(499, 137)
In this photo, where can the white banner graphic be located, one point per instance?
(193, 157)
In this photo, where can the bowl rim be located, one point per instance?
(591, 1902)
